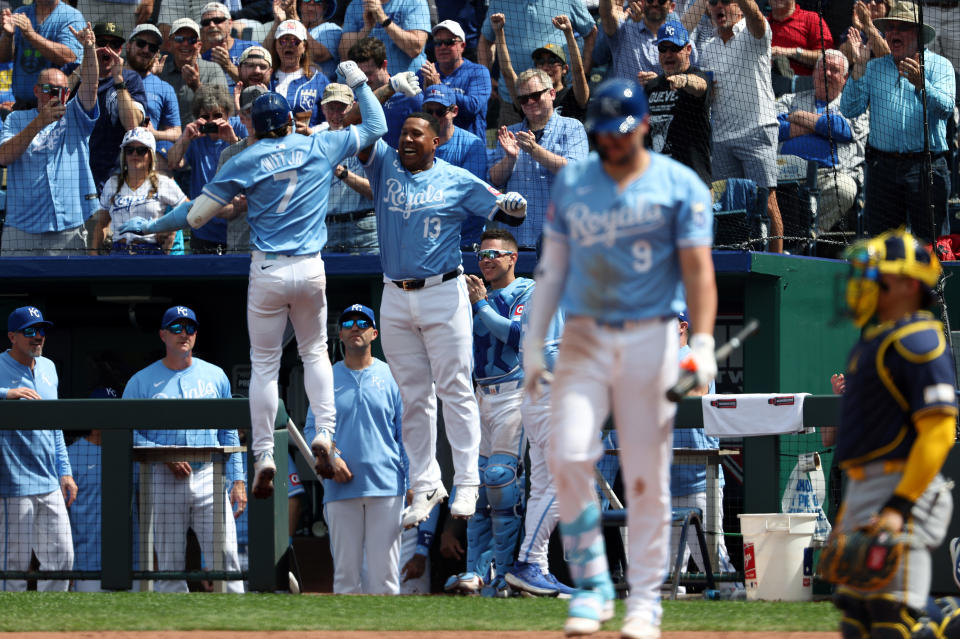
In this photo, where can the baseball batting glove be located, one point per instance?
(136, 225)
(512, 203)
(866, 559)
(406, 83)
(702, 361)
(353, 77)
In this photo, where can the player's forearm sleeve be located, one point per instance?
(498, 325)
(374, 123)
(506, 218)
(174, 220)
(935, 434)
(63, 459)
(551, 275)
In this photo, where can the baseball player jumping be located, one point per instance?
(420, 202)
(627, 232)
(286, 178)
(897, 425)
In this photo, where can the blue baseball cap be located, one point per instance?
(439, 93)
(175, 314)
(673, 31)
(26, 316)
(683, 317)
(104, 392)
(358, 309)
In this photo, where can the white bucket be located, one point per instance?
(776, 559)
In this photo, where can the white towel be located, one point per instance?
(753, 414)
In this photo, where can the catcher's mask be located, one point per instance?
(894, 252)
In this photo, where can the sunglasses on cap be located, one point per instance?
(114, 45)
(668, 48)
(33, 331)
(533, 96)
(180, 39)
(437, 112)
(146, 44)
(136, 150)
(492, 254)
(446, 42)
(180, 327)
(362, 324)
(206, 22)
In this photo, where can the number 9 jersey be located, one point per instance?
(627, 241)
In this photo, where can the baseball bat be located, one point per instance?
(301, 445)
(688, 380)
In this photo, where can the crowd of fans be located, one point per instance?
(737, 91)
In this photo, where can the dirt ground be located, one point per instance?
(204, 634)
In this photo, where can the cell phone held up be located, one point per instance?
(209, 127)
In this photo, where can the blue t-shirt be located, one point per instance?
(368, 433)
(419, 214)
(239, 46)
(467, 151)
(29, 62)
(471, 88)
(623, 246)
(496, 332)
(409, 15)
(31, 461)
(328, 34)
(687, 479)
(287, 183)
(109, 131)
(162, 107)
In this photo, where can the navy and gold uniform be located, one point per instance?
(898, 421)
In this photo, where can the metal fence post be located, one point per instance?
(116, 515)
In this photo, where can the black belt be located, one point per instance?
(413, 285)
(350, 217)
(890, 155)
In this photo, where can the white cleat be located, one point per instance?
(588, 611)
(464, 502)
(637, 628)
(422, 506)
(263, 472)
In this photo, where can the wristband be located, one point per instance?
(479, 304)
(343, 173)
(386, 23)
(120, 86)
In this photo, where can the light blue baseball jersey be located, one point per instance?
(287, 182)
(31, 461)
(419, 214)
(409, 15)
(368, 433)
(551, 344)
(623, 246)
(496, 332)
(686, 479)
(28, 62)
(200, 380)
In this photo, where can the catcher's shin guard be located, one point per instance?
(479, 529)
(890, 618)
(505, 494)
(855, 623)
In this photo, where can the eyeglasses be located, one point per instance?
(531, 97)
(52, 89)
(210, 116)
(313, 1)
(136, 150)
(115, 45)
(180, 39)
(448, 42)
(713, 3)
(362, 324)
(437, 113)
(146, 44)
(668, 48)
(206, 22)
(492, 254)
(180, 327)
(547, 62)
(33, 331)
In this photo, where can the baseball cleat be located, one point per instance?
(422, 506)
(498, 589)
(466, 583)
(263, 471)
(563, 590)
(589, 609)
(528, 578)
(637, 628)
(464, 502)
(955, 559)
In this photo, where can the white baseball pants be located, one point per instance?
(37, 523)
(541, 516)
(179, 504)
(365, 528)
(280, 287)
(629, 370)
(501, 429)
(428, 337)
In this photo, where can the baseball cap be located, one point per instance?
(215, 6)
(291, 27)
(451, 26)
(26, 316)
(185, 23)
(255, 52)
(441, 94)
(683, 317)
(178, 313)
(336, 92)
(359, 309)
(104, 392)
(553, 49)
(249, 95)
(145, 28)
(141, 135)
(673, 31)
(110, 29)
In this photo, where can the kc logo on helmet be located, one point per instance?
(33, 312)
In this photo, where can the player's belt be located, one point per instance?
(496, 389)
(354, 216)
(414, 285)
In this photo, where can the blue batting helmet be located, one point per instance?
(269, 112)
(617, 106)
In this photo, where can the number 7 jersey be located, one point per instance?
(623, 246)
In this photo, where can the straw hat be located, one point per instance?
(906, 11)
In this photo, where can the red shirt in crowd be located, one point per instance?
(801, 29)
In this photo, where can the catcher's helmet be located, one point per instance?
(618, 106)
(895, 252)
(269, 112)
